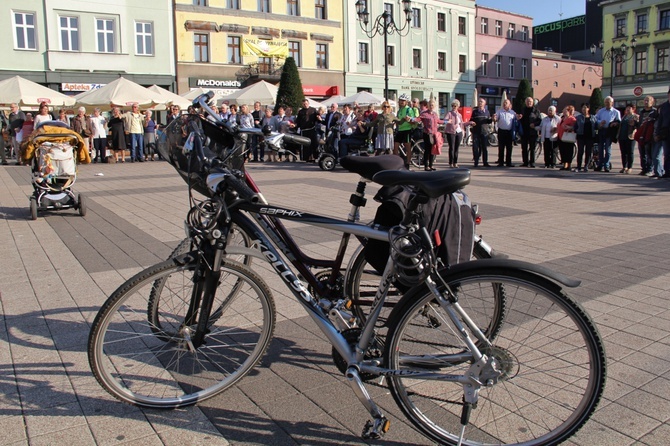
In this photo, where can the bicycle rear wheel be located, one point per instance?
(142, 364)
(417, 153)
(549, 351)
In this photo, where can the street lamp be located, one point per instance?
(590, 69)
(615, 56)
(383, 24)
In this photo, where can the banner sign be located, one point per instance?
(75, 86)
(560, 25)
(253, 48)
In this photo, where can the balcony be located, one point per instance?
(267, 70)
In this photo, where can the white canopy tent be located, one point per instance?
(26, 93)
(170, 98)
(120, 92)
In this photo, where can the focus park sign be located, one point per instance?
(559, 25)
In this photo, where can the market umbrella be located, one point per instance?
(120, 92)
(264, 92)
(27, 93)
(363, 98)
(337, 99)
(475, 99)
(169, 97)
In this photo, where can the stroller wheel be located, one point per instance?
(327, 162)
(33, 208)
(82, 205)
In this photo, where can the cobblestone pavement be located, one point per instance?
(612, 231)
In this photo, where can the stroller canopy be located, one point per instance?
(55, 134)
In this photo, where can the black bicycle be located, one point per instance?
(534, 380)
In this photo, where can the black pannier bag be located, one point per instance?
(451, 215)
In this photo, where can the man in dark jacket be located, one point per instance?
(15, 119)
(478, 129)
(306, 122)
(530, 120)
(257, 115)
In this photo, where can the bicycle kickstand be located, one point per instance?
(376, 428)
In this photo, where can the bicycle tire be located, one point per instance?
(363, 280)
(549, 349)
(141, 365)
(417, 153)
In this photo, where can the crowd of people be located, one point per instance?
(355, 128)
(131, 131)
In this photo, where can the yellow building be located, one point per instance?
(225, 44)
(641, 67)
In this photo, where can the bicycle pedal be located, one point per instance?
(374, 430)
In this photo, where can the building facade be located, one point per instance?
(503, 52)
(434, 59)
(561, 81)
(644, 69)
(72, 47)
(224, 45)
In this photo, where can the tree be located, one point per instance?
(596, 100)
(524, 91)
(290, 92)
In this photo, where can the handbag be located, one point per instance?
(569, 137)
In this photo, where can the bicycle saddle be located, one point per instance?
(368, 166)
(433, 184)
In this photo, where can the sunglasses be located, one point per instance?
(387, 106)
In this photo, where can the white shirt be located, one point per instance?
(547, 125)
(347, 126)
(98, 124)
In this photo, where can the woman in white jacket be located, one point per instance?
(549, 135)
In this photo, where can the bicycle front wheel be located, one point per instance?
(159, 366)
(417, 153)
(548, 350)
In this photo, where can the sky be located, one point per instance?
(541, 11)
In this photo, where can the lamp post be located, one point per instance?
(383, 24)
(614, 56)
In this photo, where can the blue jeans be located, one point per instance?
(657, 158)
(137, 146)
(604, 151)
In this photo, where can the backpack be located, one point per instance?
(451, 215)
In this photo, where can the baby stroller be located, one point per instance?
(53, 151)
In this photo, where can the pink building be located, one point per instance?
(557, 80)
(503, 51)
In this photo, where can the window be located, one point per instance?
(441, 22)
(294, 52)
(363, 53)
(555, 64)
(24, 31)
(484, 26)
(461, 63)
(524, 33)
(390, 56)
(664, 19)
(573, 86)
(498, 66)
(511, 31)
(511, 67)
(292, 7)
(536, 63)
(536, 82)
(264, 64)
(264, 6)
(642, 24)
(234, 55)
(416, 58)
(69, 33)
(662, 59)
(200, 2)
(461, 26)
(443, 99)
(416, 18)
(619, 68)
(640, 62)
(620, 27)
(105, 33)
(484, 70)
(388, 9)
(233, 4)
(555, 84)
(322, 56)
(201, 47)
(441, 61)
(320, 9)
(144, 38)
(524, 68)
(498, 28)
